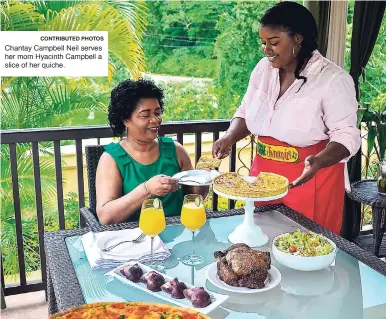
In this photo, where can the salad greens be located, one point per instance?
(305, 244)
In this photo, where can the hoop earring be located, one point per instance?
(293, 51)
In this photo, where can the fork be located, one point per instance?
(139, 239)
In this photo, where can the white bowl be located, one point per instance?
(303, 263)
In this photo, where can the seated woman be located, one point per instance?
(141, 165)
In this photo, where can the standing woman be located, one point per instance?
(303, 109)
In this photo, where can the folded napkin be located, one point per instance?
(94, 242)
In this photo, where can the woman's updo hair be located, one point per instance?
(294, 18)
(125, 98)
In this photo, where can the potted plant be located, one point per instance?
(374, 116)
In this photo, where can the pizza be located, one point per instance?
(128, 310)
(264, 185)
(208, 162)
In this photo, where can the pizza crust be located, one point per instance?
(128, 310)
(264, 185)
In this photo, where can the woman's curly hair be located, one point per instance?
(125, 98)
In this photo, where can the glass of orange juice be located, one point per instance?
(152, 222)
(193, 217)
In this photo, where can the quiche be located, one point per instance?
(128, 310)
(208, 162)
(264, 185)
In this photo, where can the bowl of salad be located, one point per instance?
(305, 251)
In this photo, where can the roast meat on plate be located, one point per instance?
(242, 266)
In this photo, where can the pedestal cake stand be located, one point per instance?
(248, 232)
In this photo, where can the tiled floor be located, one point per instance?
(26, 306)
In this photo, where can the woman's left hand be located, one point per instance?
(312, 165)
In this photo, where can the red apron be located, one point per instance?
(321, 199)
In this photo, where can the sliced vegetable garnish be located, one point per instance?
(306, 244)
(156, 203)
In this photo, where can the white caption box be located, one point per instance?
(53, 53)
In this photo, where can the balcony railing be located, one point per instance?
(37, 139)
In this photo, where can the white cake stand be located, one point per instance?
(248, 232)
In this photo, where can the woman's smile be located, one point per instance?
(154, 129)
(272, 57)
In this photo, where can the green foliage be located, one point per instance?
(191, 101)
(9, 245)
(71, 208)
(372, 104)
(29, 226)
(372, 96)
(222, 203)
(180, 37)
(43, 102)
(28, 102)
(27, 206)
(374, 83)
(238, 50)
(184, 61)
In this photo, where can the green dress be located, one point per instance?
(133, 173)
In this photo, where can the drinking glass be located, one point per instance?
(152, 222)
(193, 217)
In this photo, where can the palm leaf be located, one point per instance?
(23, 104)
(124, 42)
(112, 69)
(371, 135)
(37, 104)
(382, 139)
(59, 98)
(25, 170)
(42, 6)
(136, 12)
(9, 246)
(5, 82)
(18, 16)
(66, 118)
(361, 112)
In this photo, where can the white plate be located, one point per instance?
(196, 177)
(217, 299)
(274, 278)
(125, 250)
(249, 179)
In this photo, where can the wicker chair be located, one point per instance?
(93, 154)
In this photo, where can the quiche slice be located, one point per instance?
(264, 185)
(208, 162)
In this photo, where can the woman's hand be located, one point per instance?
(221, 148)
(312, 165)
(161, 185)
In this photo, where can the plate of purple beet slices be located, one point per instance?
(168, 288)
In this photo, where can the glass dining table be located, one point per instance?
(349, 288)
